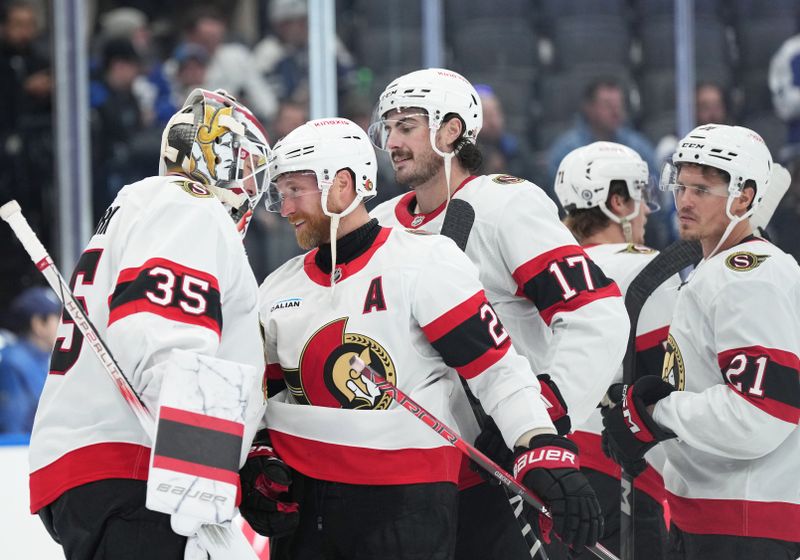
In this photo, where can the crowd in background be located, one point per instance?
(540, 100)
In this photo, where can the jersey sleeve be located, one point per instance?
(757, 404)
(581, 305)
(451, 308)
(168, 291)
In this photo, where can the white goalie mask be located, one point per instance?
(219, 143)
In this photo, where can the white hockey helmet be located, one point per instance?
(585, 174)
(784, 79)
(323, 147)
(219, 143)
(439, 92)
(737, 150)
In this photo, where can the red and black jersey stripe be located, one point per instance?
(563, 279)
(767, 378)
(650, 350)
(168, 289)
(469, 337)
(198, 445)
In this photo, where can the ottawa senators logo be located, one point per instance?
(674, 370)
(638, 249)
(743, 261)
(195, 189)
(325, 377)
(507, 179)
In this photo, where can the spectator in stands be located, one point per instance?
(24, 362)
(26, 144)
(502, 151)
(231, 65)
(188, 71)
(784, 82)
(116, 119)
(602, 117)
(282, 58)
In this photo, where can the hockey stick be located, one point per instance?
(666, 264)
(221, 541)
(457, 225)
(452, 436)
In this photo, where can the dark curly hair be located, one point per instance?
(467, 152)
(588, 221)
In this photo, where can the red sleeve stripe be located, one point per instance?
(779, 410)
(583, 298)
(202, 421)
(782, 357)
(652, 339)
(195, 469)
(530, 269)
(171, 313)
(457, 315)
(274, 372)
(130, 274)
(484, 361)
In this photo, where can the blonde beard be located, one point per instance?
(315, 233)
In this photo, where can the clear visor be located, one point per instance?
(382, 128)
(649, 194)
(290, 186)
(669, 183)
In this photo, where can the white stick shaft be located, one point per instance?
(223, 542)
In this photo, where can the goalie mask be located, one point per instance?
(219, 143)
(584, 179)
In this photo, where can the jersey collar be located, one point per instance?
(404, 211)
(345, 270)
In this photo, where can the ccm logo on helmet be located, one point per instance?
(546, 457)
(692, 145)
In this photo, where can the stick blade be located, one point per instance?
(9, 209)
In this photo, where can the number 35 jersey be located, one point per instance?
(165, 269)
(732, 352)
(412, 308)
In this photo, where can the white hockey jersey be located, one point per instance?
(623, 262)
(733, 350)
(413, 308)
(165, 269)
(563, 314)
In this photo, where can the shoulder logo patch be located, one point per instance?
(638, 249)
(507, 179)
(743, 261)
(195, 189)
(285, 303)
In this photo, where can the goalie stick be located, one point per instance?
(453, 438)
(666, 264)
(457, 225)
(223, 542)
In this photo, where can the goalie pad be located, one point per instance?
(204, 408)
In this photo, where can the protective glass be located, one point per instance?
(287, 187)
(382, 128)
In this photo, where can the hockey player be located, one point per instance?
(602, 187)
(563, 314)
(371, 480)
(166, 282)
(727, 408)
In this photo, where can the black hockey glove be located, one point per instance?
(556, 406)
(266, 504)
(549, 467)
(490, 442)
(629, 430)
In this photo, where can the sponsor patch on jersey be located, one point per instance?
(674, 370)
(286, 303)
(417, 220)
(195, 189)
(507, 179)
(742, 261)
(638, 249)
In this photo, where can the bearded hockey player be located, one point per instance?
(371, 480)
(166, 282)
(727, 408)
(563, 314)
(602, 187)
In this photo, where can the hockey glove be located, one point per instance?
(549, 467)
(266, 504)
(556, 406)
(629, 430)
(490, 442)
